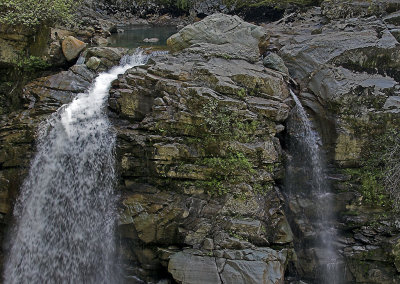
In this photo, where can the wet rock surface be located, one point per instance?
(344, 57)
(198, 153)
(221, 35)
(198, 159)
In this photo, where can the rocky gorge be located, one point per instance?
(202, 143)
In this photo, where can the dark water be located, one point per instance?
(133, 36)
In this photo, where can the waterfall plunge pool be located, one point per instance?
(134, 36)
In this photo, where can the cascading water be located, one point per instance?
(65, 215)
(306, 175)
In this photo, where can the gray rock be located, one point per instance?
(307, 53)
(392, 103)
(109, 56)
(209, 7)
(220, 35)
(393, 18)
(191, 269)
(274, 61)
(93, 63)
(252, 272)
(208, 244)
(335, 9)
(151, 40)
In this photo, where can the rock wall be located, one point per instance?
(200, 163)
(198, 160)
(347, 70)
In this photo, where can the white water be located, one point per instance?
(328, 257)
(65, 215)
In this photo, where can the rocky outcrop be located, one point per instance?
(347, 70)
(198, 159)
(221, 35)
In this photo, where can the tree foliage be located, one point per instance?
(31, 13)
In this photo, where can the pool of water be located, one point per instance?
(134, 36)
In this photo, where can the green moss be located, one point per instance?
(380, 160)
(224, 124)
(229, 170)
(371, 185)
(262, 188)
(213, 187)
(31, 64)
(242, 93)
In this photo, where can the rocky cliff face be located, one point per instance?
(348, 75)
(198, 159)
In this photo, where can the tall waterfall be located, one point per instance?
(66, 212)
(306, 176)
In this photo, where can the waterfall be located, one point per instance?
(66, 212)
(306, 175)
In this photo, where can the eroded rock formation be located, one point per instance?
(198, 161)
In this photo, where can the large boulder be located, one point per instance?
(221, 35)
(72, 47)
(103, 58)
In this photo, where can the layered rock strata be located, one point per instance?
(198, 159)
(345, 57)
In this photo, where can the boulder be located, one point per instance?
(274, 61)
(93, 63)
(252, 272)
(220, 35)
(72, 47)
(108, 56)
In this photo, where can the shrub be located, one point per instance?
(379, 176)
(392, 169)
(32, 64)
(31, 13)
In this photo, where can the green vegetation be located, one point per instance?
(233, 168)
(223, 124)
(371, 185)
(31, 64)
(182, 5)
(242, 93)
(392, 168)
(32, 13)
(379, 176)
